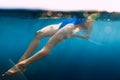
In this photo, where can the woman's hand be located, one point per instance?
(86, 36)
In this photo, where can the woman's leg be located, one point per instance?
(62, 34)
(65, 32)
(45, 32)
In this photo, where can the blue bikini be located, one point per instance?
(74, 21)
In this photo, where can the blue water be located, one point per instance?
(73, 59)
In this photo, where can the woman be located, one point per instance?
(59, 32)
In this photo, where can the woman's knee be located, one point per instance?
(39, 34)
(45, 51)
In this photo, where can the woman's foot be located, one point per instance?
(20, 67)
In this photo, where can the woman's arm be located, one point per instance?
(88, 31)
(81, 36)
(90, 20)
(86, 36)
(89, 24)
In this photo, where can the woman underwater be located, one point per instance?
(58, 32)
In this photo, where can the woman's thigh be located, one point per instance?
(48, 30)
(63, 33)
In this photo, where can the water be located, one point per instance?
(73, 59)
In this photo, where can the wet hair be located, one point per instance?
(94, 16)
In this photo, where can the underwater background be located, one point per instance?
(97, 58)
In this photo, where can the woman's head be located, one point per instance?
(92, 16)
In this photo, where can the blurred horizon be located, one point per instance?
(36, 14)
